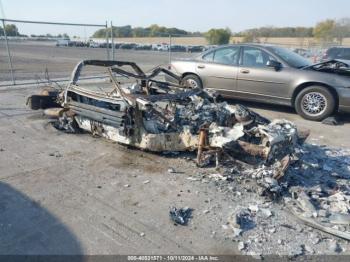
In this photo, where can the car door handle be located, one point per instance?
(245, 71)
(201, 66)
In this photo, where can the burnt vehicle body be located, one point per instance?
(159, 116)
(271, 74)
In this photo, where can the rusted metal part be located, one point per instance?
(54, 112)
(127, 98)
(252, 149)
(103, 63)
(205, 150)
(280, 171)
(201, 144)
(314, 224)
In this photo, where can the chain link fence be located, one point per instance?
(43, 56)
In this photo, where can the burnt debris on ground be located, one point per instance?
(291, 189)
(180, 216)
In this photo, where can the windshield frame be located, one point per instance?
(276, 51)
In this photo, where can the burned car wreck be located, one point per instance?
(266, 169)
(160, 116)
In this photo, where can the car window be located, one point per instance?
(332, 52)
(255, 57)
(346, 53)
(289, 57)
(209, 57)
(227, 55)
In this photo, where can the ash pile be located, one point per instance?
(296, 205)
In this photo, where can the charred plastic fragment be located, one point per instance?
(180, 216)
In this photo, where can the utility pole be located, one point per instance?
(8, 52)
(107, 42)
(112, 41)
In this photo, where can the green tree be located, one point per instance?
(324, 30)
(156, 30)
(100, 33)
(218, 36)
(342, 29)
(249, 37)
(1, 31)
(140, 32)
(11, 30)
(151, 31)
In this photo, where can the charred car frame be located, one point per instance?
(158, 116)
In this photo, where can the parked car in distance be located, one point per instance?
(337, 53)
(127, 46)
(143, 47)
(178, 48)
(160, 47)
(195, 49)
(270, 74)
(62, 42)
(117, 45)
(93, 44)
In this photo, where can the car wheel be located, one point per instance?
(192, 81)
(315, 103)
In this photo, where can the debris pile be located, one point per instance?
(306, 211)
(319, 192)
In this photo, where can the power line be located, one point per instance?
(50, 23)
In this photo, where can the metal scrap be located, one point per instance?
(312, 223)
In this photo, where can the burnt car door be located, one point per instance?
(218, 68)
(262, 77)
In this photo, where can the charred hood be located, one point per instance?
(334, 66)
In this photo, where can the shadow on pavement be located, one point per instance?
(27, 228)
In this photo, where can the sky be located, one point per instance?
(190, 15)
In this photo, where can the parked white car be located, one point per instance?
(62, 42)
(93, 44)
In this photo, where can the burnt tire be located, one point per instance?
(315, 103)
(36, 102)
(192, 81)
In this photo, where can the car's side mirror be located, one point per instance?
(275, 64)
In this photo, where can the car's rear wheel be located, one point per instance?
(315, 103)
(192, 81)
